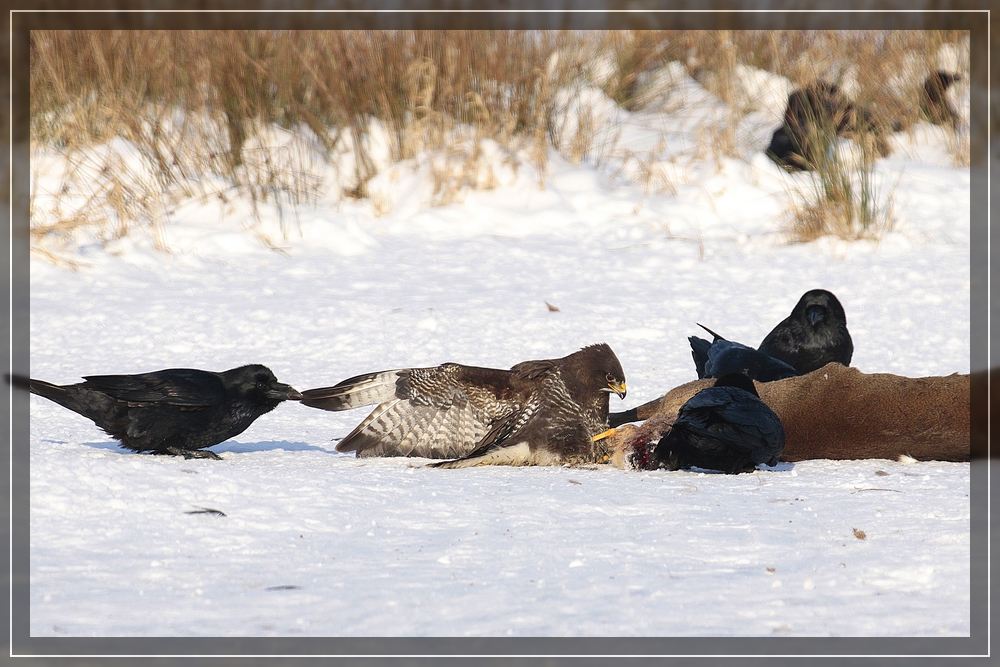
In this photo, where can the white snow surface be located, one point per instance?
(314, 542)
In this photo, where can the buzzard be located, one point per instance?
(543, 412)
(176, 411)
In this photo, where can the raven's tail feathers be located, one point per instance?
(53, 392)
(715, 336)
(699, 352)
(18, 381)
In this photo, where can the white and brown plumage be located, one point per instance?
(541, 412)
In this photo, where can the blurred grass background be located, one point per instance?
(200, 108)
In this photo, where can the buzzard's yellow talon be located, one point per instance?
(605, 458)
(601, 436)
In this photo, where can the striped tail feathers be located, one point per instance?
(355, 392)
(365, 436)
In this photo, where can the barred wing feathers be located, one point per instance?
(439, 412)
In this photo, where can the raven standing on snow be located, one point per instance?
(175, 411)
(543, 412)
(726, 427)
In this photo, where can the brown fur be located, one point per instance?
(841, 413)
(979, 385)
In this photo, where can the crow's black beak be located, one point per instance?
(283, 392)
(815, 314)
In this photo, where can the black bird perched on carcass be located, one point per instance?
(721, 357)
(813, 335)
(544, 412)
(725, 427)
(178, 411)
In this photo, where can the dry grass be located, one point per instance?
(844, 198)
(883, 74)
(253, 115)
(199, 106)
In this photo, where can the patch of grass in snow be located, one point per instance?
(844, 198)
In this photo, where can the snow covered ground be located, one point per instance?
(314, 542)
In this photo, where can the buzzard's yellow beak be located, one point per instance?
(618, 389)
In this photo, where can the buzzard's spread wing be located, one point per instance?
(548, 429)
(440, 412)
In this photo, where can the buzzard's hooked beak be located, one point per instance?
(616, 387)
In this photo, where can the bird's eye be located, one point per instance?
(609, 377)
(261, 384)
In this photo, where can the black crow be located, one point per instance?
(814, 118)
(537, 413)
(722, 357)
(174, 411)
(935, 106)
(813, 335)
(726, 427)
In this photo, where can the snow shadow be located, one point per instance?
(268, 446)
(781, 467)
(109, 445)
(228, 446)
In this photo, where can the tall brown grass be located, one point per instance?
(193, 102)
(201, 107)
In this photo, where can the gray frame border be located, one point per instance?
(19, 341)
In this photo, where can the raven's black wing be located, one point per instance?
(739, 419)
(725, 357)
(183, 387)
